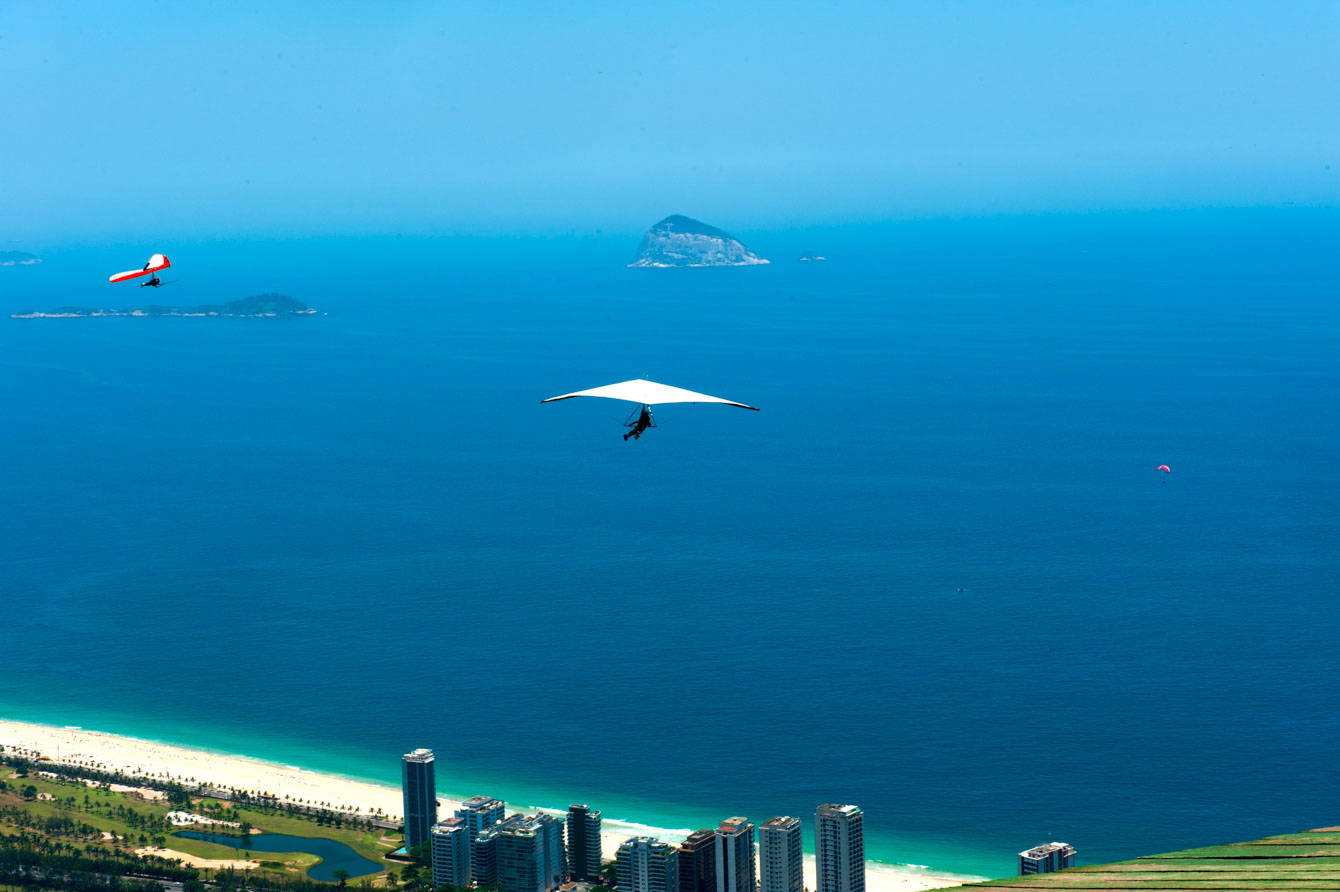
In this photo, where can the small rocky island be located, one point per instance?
(256, 305)
(683, 241)
(18, 258)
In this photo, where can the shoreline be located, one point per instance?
(72, 745)
(139, 313)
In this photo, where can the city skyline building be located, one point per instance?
(839, 848)
(530, 854)
(697, 862)
(419, 789)
(645, 864)
(484, 851)
(480, 813)
(735, 856)
(781, 855)
(1047, 858)
(583, 828)
(450, 841)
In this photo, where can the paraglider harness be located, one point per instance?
(154, 281)
(639, 424)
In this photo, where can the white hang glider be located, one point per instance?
(150, 269)
(646, 394)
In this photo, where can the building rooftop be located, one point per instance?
(524, 825)
(1044, 850)
(479, 803)
(833, 808)
(734, 825)
(782, 823)
(492, 831)
(648, 842)
(419, 755)
(698, 838)
(448, 825)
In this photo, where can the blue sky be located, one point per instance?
(279, 119)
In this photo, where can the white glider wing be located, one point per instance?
(648, 393)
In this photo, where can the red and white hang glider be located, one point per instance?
(150, 269)
(646, 394)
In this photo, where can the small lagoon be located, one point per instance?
(334, 855)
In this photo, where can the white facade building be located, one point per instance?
(647, 865)
(781, 856)
(839, 848)
(735, 856)
(451, 853)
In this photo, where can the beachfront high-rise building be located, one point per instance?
(480, 813)
(583, 843)
(530, 854)
(698, 862)
(451, 853)
(735, 856)
(839, 848)
(1046, 858)
(781, 856)
(484, 851)
(420, 791)
(647, 865)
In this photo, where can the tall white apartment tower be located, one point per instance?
(839, 848)
(451, 853)
(647, 865)
(735, 856)
(781, 858)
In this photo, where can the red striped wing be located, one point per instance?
(156, 262)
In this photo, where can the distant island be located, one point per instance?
(683, 241)
(256, 305)
(18, 258)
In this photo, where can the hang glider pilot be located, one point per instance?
(638, 427)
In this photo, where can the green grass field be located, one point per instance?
(1307, 862)
(372, 845)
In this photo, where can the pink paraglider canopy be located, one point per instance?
(1164, 468)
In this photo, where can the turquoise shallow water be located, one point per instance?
(327, 541)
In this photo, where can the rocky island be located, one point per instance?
(256, 305)
(18, 258)
(683, 241)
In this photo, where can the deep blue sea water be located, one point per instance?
(329, 540)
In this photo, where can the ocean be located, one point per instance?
(938, 575)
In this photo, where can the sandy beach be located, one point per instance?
(133, 756)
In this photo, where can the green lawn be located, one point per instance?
(1308, 862)
(364, 842)
(370, 844)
